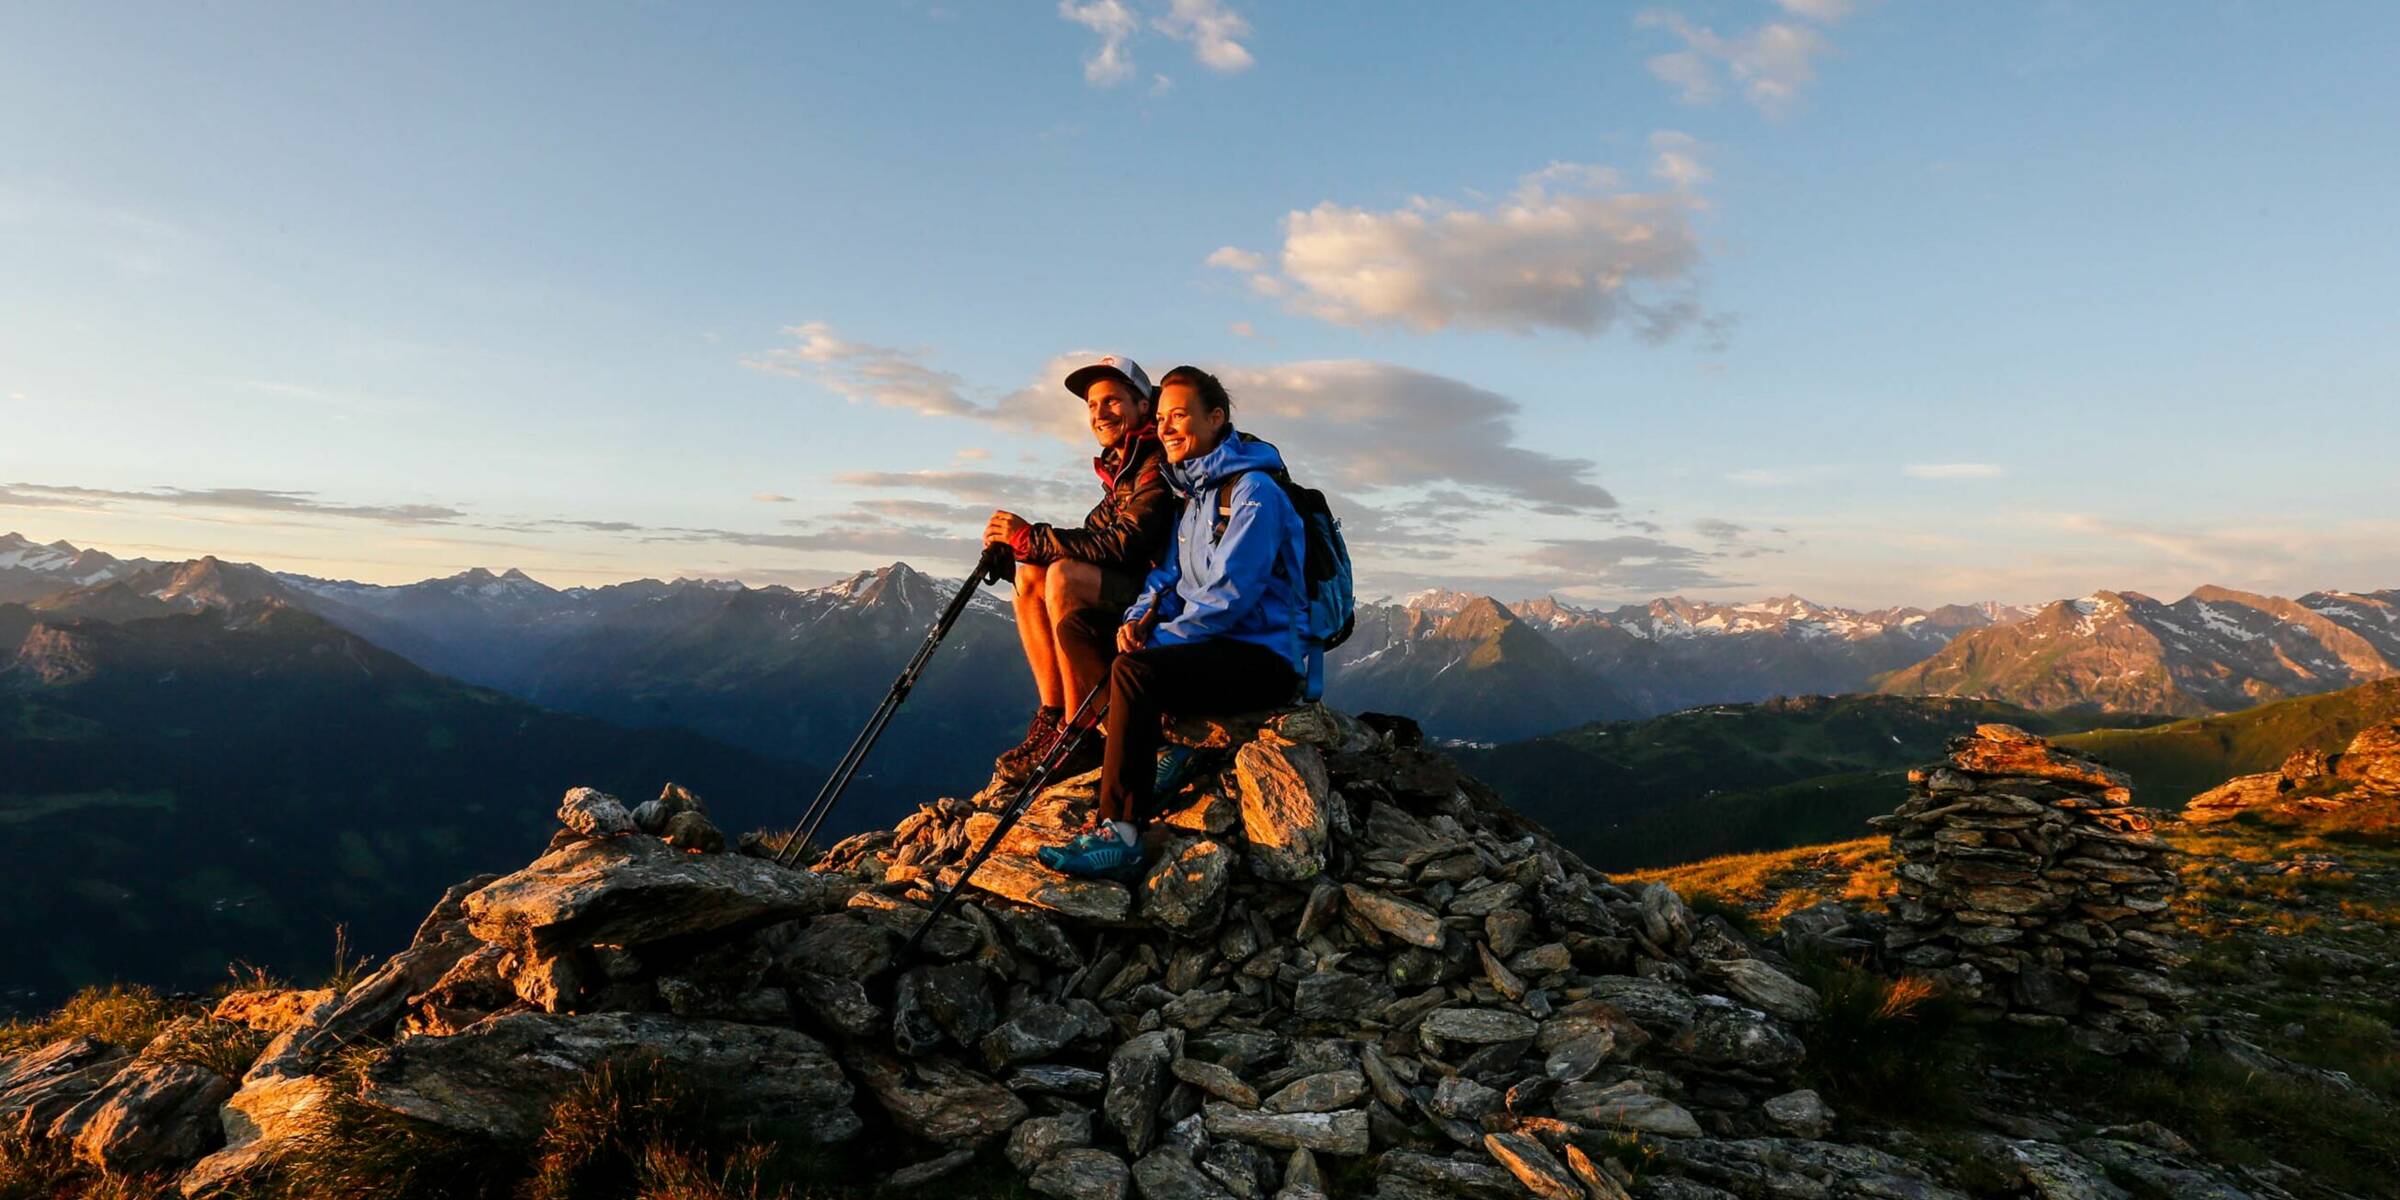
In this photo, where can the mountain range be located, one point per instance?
(231, 777)
(793, 672)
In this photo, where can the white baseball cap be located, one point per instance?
(1081, 379)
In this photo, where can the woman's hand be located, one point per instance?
(1132, 636)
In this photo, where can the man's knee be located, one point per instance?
(1070, 585)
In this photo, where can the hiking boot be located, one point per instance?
(1018, 761)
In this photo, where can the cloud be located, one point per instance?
(987, 488)
(1365, 426)
(1953, 471)
(883, 375)
(1210, 27)
(1675, 160)
(1567, 249)
(1234, 258)
(250, 499)
(1719, 531)
(1770, 64)
(1626, 561)
(1112, 62)
(770, 498)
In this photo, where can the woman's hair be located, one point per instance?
(1211, 389)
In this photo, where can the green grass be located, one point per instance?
(121, 1015)
(2172, 763)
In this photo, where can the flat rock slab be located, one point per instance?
(500, 1078)
(1028, 882)
(153, 1116)
(37, 1085)
(1284, 794)
(1479, 1025)
(1411, 923)
(1329, 1133)
(632, 891)
(937, 1100)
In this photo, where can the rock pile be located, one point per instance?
(2034, 889)
(1345, 950)
(2310, 782)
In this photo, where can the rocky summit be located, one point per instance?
(1348, 961)
(2312, 785)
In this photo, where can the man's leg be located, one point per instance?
(1038, 630)
(1070, 588)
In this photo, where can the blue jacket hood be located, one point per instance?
(1238, 452)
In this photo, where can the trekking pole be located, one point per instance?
(813, 817)
(1060, 751)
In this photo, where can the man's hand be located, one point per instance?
(1132, 636)
(1003, 527)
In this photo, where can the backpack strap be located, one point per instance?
(1216, 529)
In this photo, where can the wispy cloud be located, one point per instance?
(1626, 562)
(248, 499)
(770, 498)
(1213, 30)
(1570, 248)
(1954, 470)
(1770, 64)
(884, 375)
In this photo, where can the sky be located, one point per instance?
(1876, 301)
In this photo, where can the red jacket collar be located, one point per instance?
(1111, 464)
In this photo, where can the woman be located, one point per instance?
(1217, 626)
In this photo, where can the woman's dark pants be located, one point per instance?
(1211, 678)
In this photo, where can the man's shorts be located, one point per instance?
(1119, 588)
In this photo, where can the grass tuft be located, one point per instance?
(1880, 1045)
(119, 1014)
(226, 1047)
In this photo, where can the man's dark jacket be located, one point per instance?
(1130, 526)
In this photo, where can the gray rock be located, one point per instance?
(1728, 1035)
(1185, 889)
(1036, 1032)
(262, 1123)
(1628, 1105)
(152, 1116)
(1790, 1169)
(621, 894)
(1338, 996)
(1324, 1091)
(594, 813)
(1033, 1141)
(1802, 1114)
(500, 1078)
(841, 1003)
(1462, 1099)
(1331, 1133)
(918, 1174)
(1026, 881)
(1167, 1173)
(1448, 1176)
(936, 1099)
(1408, 922)
(1216, 1081)
(1137, 1080)
(1484, 901)
(1479, 1025)
(1766, 987)
(1285, 797)
(1081, 1174)
(2054, 1172)
(1056, 1079)
(37, 1085)
(1239, 1168)
(693, 833)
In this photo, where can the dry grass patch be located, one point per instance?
(1772, 885)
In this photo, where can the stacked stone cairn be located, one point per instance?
(1345, 950)
(2034, 889)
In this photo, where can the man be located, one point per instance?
(1098, 565)
(1217, 627)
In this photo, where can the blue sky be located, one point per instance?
(1877, 302)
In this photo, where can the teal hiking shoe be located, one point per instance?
(1105, 858)
(1176, 766)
